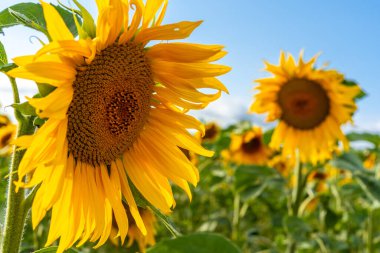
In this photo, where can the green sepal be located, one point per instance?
(88, 24)
(7, 67)
(38, 122)
(350, 83)
(25, 109)
(45, 89)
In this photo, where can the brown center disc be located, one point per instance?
(110, 105)
(252, 146)
(305, 104)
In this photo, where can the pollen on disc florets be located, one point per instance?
(305, 104)
(110, 104)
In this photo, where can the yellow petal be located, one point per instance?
(189, 70)
(55, 25)
(53, 73)
(175, 31)
(183, 52)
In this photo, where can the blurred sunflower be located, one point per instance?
(310, 104)
(247, 148)
(284, 165)
(7, 133)
(370, 161)
(117, 102)
(212, 131)
(134, 233)
(321, 180)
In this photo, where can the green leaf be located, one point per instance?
(370, 185)
(54, 249)
(369, 137)
(297, 228)
(198, 242)
(28, 14)
(68, 17)
(3, 55)
(25, 108)
(31, 15)
(251, 175)
(252, 192)
(348, 161)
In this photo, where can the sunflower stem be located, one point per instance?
(296, 200)
(16, 209)
(370, 248)
(235, 220)
(16, 98)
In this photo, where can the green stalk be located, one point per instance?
(370, 248)
(296, 200)
(16, 207)
(235, 218)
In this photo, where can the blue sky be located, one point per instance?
(347, 34)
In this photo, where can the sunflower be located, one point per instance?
(310, 105)
(283, 165)
(134, 233)
(320, 181)
(247, 148)
(116, 103)
(370, 161)
(7, 133)
(211, 133)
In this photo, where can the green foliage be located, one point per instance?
(88, 27)
(369, 137)
(3, 55)
(200, 243)
(25, 108)
(54, 250)
(31, 15)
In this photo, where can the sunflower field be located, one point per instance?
(107, 155)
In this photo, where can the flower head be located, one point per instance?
(116, 103)
(310, 106)
(248, 148)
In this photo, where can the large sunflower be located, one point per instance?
(310, 104)
(116, 117)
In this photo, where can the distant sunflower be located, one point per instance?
(211, 133)
(370, 161)
(321, 181)
(134, 233)
(247, 148)
(7, 133)
(284, 165)
(310, 104)
(115, 117)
